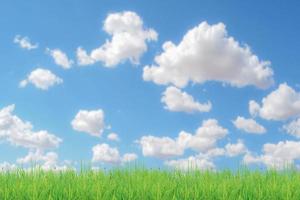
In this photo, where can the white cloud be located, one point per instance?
(207, 53)
(179, 101)
(91, 122)
(249, 158)
(39, 139)
(235, 149)
(60, 58)
(160, 147)
(293, 128)
(128, 41)
(215, 152)
(83, 58)
(20, 133)
(33, 157)
(129, 157)
(6, 167)
(279, 156)
(204, 161)
(113, 137)
(191, 163)
(42, 79)
(281, 104)
(24, 42)
(39, 159)
(206, 136)
(253, 108)
(103, 153)
(249, 125)
(203, 140)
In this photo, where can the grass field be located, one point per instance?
(150, 184)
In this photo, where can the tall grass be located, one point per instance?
(145, 184)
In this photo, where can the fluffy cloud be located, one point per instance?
(105, 154)
(215, 152)
(42, 79)
(83, 58)
(39, 139)
(206, 136)
(46, 161)
(129, 157)
(60, 58)
(248, 125)
(204, 161)
(279, 156)
(207, 53)
(281, 104)
(293, 128)
(253, 108)
(160, 147)
(34, 157)
(203, 140)
(235, 149)
(128, 41)
(191, 163)
(179, 101)
(113, 137)
(20, 133)
(91, 122)
(24, 42)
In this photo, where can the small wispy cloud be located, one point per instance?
(25, 43)
(60, 58)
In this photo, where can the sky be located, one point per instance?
(185, 84)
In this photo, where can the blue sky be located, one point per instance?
(132, 105)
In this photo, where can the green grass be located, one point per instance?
(150, 184)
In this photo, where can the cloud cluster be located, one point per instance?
(179, 101)
(191, 163)
(89, 121)
(20, 133)
(104, 153)
(128, 41)
(293, 128)
(207, 53)
(92, 122)
(279, 156)
(24, 43)
(203, 140)
(42, 79)
(204, 161)
(34, 157)
(235, 149)
(45, 161)
(249, 125)
(281, 104)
